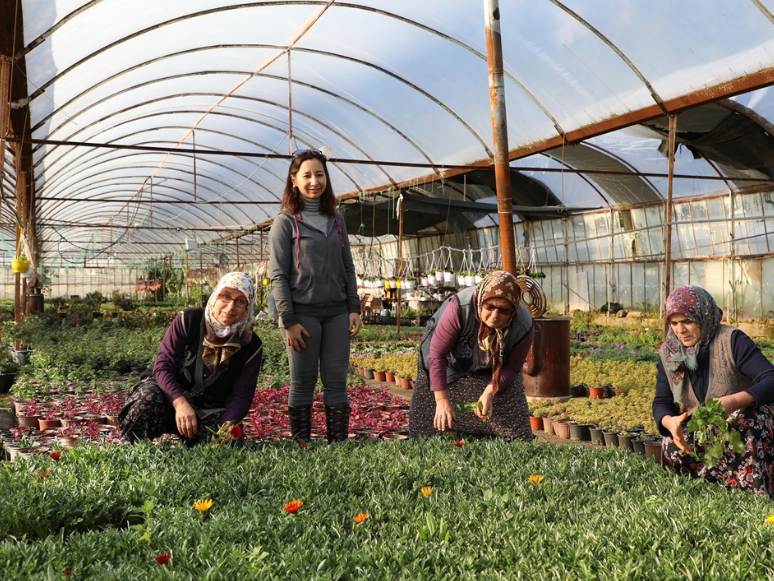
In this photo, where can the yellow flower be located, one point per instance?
(536, 478)
(770, 519)
(203, 504)
(358, 518)
(427, 490)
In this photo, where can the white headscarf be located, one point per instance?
(222, 341)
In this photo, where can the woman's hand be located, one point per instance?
(444, 411)
(185, 417)
(675, 426)
(354, 324)
(486, 403)
(295, 335)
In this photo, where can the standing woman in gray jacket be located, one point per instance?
(314, 286)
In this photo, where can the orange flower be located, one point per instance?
(55, 455)
(163, 558)
(358, 518)
(426, 490)
(235, 431)
(294, 506)
(536, 478)
(43, 475)
(459, 443)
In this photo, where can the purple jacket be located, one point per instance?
(169, 362)
(447, 333)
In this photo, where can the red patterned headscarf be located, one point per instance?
(699, 307)
(501, 285)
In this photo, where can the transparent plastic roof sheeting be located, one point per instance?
(382, 80)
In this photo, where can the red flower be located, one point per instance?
(459, 443)
(43, 475)
(163, 558)
(66, 572)
(294, 506)
(235, 431)
(55, 455)
(303, 446)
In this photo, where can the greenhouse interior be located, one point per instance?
(605, 153)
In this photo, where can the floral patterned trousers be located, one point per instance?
(147, 414)
(510, 412)
(753, 469)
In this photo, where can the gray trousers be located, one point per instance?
(327, 350)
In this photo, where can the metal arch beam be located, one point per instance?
(382, 70)
(54, 203)
(223, 207)
(91, 182)
(280, 106)
(93, 157)
(724, 89)
(185, 153)
(470, 49)
(194, 210)
(765, 11)
(100, 187)
(95, 164)
(654, 95)
(380, 12)
(579, 172)
(625, 163)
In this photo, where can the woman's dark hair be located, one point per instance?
(292, 202)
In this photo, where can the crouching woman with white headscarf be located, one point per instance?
(206, 370)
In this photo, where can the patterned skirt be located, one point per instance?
(753, 469)
(147, 414)
(509, 418)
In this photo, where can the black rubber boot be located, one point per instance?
(300, 422)
(337, 422)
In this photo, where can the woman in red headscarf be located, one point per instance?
(473, 350)
(701, 359)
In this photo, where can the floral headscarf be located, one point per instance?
(699, 307)
(502, 285)
(223, 341)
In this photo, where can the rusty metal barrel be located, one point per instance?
(35, 304)
(547, 369)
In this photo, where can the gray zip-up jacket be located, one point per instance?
(311, 272)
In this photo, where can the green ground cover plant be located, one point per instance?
(493, 511)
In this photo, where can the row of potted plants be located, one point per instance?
(396, 365)
(433, 279)
(63, 411)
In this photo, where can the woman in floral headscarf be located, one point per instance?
(205, 372)
(473, 350)
(701, 359)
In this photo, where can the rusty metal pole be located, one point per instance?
(494, 58)
(400, 258)
(5, 109)
(265, 275)
(668, 211)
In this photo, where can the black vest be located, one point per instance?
(214, 390)
(463, 359)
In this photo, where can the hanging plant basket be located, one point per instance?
(20, 265)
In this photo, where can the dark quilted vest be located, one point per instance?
(463, 359)
(214, 390)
